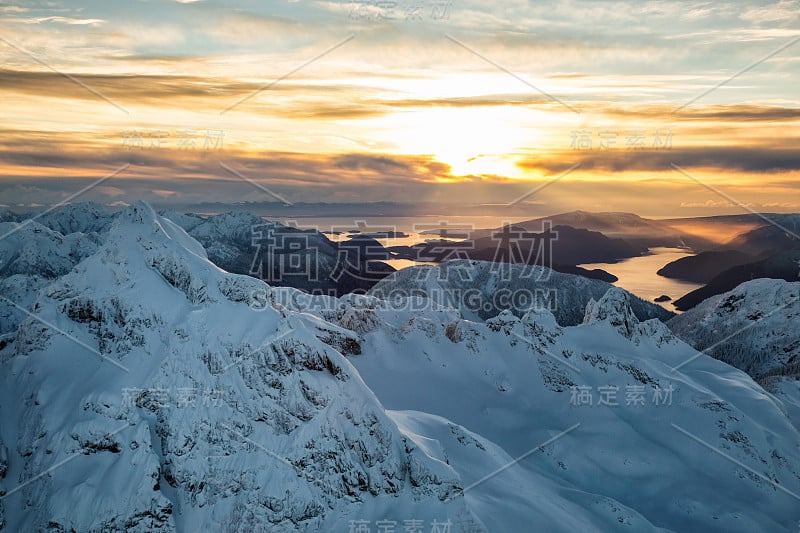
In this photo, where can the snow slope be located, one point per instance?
(687, 442)
(754, 327)
(293, 439)
(32, 249)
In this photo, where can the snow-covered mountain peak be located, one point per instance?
(139, 212)
(758, 295)
(141, 223)
(198, 409)
(614, 309)
(31, 255)
(541, 317)
(154, 391)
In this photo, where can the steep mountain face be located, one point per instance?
(782, 265)
(154, 392)
(22, 290)
(481, 290)
(753, 327)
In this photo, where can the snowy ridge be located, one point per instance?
(296, 440)
(228, 237)
(33, 249)
(765, 312)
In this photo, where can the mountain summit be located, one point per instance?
(145, 372)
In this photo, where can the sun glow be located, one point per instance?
(472, 141)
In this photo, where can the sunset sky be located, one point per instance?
(450, 102)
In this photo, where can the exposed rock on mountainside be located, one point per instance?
(185, 410)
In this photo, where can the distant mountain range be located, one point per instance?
(561, 248)
(783, 265)
(581, 237)
(640, 233)
(243, 243)
(705, 266)
(769, 239)
(769, 251)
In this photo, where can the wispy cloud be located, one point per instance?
(401, 110)
(736, 159)
(57, 20)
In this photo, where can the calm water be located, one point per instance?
(638, 275)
